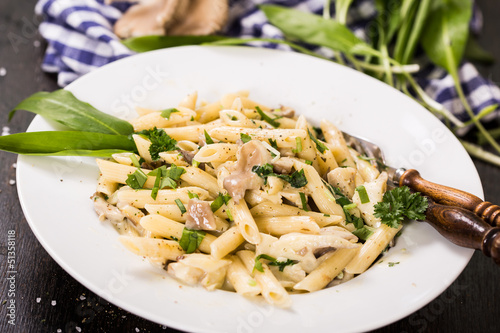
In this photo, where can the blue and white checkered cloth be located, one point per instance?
(80, 38)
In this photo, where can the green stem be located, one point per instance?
(387, 66)
(420, 19)
(471, 114)
(326, 10)
(239, 41)
(483, 113)
(431, 103)
(480, 153)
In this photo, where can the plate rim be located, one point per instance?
(137, 310)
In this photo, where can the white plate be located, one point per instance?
(54, 192)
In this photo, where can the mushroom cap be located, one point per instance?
(172, 17)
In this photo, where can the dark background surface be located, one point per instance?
(470, 304)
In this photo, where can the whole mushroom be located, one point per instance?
(172, 17)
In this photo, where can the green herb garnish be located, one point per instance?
(245, 137)
(303, 200)
(208, 139)
(160, 142)
(297, 179)
(192, 195)
(180, 205)
(399, 203)
(273, 262)
(134, 160)
(219, 201)
(165, 178)
(364, 232)
(282, 264)
(298, 145)
(191, 239)
(167, 112)
(267, 119)
(319, 145)
(363, 195)
(137, 179)
(350, 206)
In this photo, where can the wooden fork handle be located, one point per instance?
(452, 197)
(464, 228)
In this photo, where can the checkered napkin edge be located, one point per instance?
(80, 39)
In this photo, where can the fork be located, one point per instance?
(459, 216)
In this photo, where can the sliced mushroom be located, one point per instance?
(200, 215)
(242, 178)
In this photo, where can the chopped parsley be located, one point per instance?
(263, 171)
(193, 195)
(297, 179)
(137, 179)
(273, 143)
(165, 178)
(267, 119)
(363, 195)
(399, 203)
(319, 133)
(282, 264)
(392, 264)
(180, 205)
(346, 204)
(320, 146)
(309, 162)
(191, 239)
(273, 262)
(167, 112)
(245, 137)
(219, 201)
(208, 139)
(298, 145)
(160, 142)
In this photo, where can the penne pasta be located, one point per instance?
(232, 195)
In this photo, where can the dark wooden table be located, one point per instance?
(49, 300)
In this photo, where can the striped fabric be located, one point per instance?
(80, 38)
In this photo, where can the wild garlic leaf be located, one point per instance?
(66, 143)
(63, 107)
(150, 43)
(314, 29)
(446, 32)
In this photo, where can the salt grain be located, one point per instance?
(59, 330)
(38, 299)
(14, 165)
(137, 329)
(5, 130)
(78, 329)
(3, 71)
(36, 43)
(53, 303)
(82, 298)
(12, 182)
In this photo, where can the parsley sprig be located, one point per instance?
(160, 142)
(399, 203)
(297, 179)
